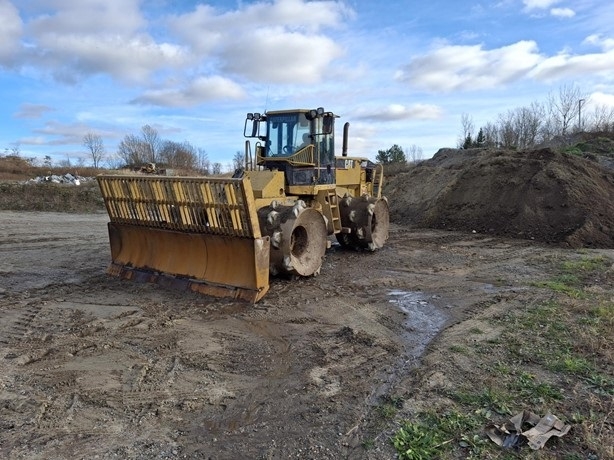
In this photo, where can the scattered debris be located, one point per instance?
(67, 178)
(510, 434)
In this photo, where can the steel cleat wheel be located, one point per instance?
(368, 221)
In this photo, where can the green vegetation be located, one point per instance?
(394, 154)
(552, 356)
(433, 434)
(389, 407)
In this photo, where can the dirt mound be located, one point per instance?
(49, 196)
(539, 194)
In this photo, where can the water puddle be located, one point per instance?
(424, 321)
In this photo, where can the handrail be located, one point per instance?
(379, 170)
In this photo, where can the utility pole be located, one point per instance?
(580, 103)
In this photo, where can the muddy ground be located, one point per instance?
(95, 367)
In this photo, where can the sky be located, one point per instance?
(400, 72)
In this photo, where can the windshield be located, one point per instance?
(288, 133)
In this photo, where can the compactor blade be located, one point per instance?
(200, 234)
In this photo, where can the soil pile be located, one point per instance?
(49, 196)
(540, 194)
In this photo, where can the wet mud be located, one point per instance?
(96, 367)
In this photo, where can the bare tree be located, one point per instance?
(131, 150)
(468, 128)
(491, 135)
(14, 151)
(547, 124)
(238, 161)
(114, 162)
(507, 135)
(518, 128)
(216, 168)
(413, 153)
(178, 155)
(95, 147)
(204, 165)
(67, 163)
(527, 124)
(152, 143)
(564, 107)
(602, 119)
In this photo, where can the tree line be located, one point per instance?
(136, 150)
(549, 123)
(399, 155)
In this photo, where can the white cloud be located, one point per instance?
(205, 27)
(97, 37)
(395, 112)
(273, 42)
(200, 90)
(86, 17)
(599, 98)
(538, 4)
(61, 133)
(454, 67)
(10, 32)
(566, 65)
(562, 12)
(277, 42)
(597, 40)
(27, 110)
(33, 140)
(130, 59)
(275, 56)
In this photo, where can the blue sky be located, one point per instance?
(400, 72)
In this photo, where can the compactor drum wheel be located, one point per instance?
(298, 238)
(368, 220)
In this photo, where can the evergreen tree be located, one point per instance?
(481, 139)
(394, 154)
(468, 142)
(382, 157)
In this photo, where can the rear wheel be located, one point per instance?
(298, 238)
(367, 220)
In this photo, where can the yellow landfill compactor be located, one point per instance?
(224, 236)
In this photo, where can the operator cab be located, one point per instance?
(299, 142)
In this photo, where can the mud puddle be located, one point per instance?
(424, 321)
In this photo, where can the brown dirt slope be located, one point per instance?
(540, 194)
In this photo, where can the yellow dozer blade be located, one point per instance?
(198, 233)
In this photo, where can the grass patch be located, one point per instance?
(585, 264)
(489, 400)
(554, 355)
(389, 407)
(527, 387)
(434, 434)
(458, 349)
(565, 284)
